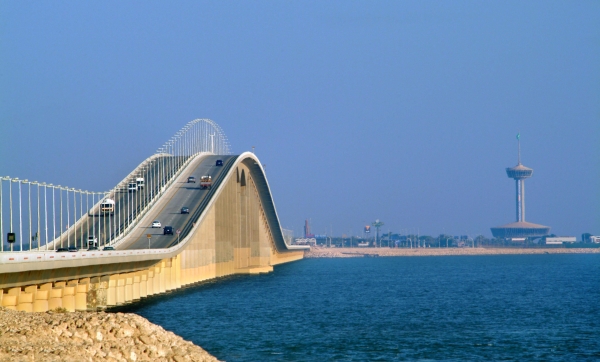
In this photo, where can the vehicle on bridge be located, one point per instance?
(156, 224)
(191, 180)
(92, 241)
(205, 182)
(140, 182)
(107, 207)
(168, 230)
(132, 186)
(219, 163)
(185, 210)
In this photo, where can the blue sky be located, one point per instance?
(400, 111)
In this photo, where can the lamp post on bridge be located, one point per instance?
(37, 234)
(20, 218)
(60, 216)
(45, 213)
(53, 216)
(68, 219)
(29, 212)
(87, 207)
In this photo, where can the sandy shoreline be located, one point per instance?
(361, 252)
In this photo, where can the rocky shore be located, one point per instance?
(90, 336)
(317, 252)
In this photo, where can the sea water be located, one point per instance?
(438, 308)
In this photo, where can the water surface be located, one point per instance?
(509, 307)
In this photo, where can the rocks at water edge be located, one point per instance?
(90, 336)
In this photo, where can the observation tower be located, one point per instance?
(520, 230)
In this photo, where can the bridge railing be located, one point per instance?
(57, 222)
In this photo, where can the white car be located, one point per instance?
(156, 224)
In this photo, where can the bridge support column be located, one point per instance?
(68, 299)
(81, 293)
(111, 291)
(120, 289)
(128, 278)
(143, 284)
(167, 274)
(55, 298)
(9, 301)
(136, 286)
(45, 286)
(42, 298)
(99, 296)
(178, 271)
(25, 302)
(159, 284)
(93, 297)
(26, 298)
(40, 303)
(150, 282)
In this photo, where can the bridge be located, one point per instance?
(62, 247)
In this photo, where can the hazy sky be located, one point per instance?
(361, 110)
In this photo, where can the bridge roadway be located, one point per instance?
(168, 210)
(129, 204)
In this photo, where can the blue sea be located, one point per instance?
(440, 308)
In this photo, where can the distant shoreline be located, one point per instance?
(319, 252)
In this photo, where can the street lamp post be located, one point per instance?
(377, 224)
(1, 225)
(20, 220)
(29, 206)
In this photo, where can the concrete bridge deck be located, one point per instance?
(232, 228)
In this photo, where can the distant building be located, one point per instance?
(559, 240)
(307, 233)
(306, 241)
(520, 230)
(595, 239)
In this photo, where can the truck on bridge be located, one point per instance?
(136, 184)
(107, 207)
(205, 182)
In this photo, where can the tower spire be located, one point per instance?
(519, 145)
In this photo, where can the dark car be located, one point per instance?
(191, 180)
(219, 163)
(73, 249)
(185, 210)
(62, 250)
(168, 230)
(108, 248)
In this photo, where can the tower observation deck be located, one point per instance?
(520, 229)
